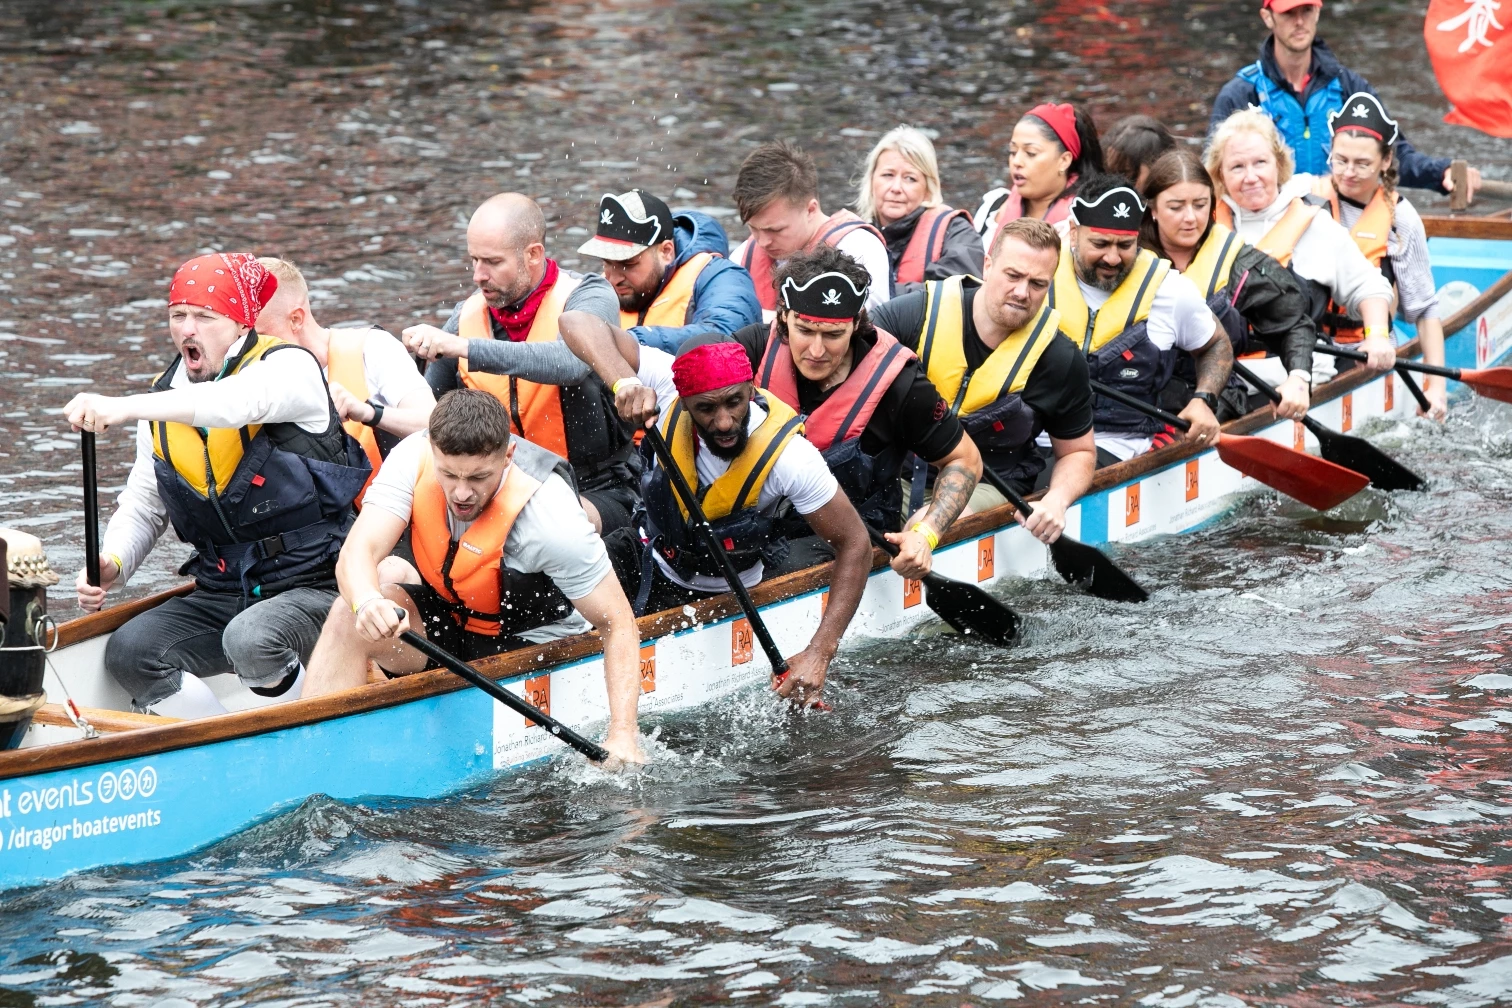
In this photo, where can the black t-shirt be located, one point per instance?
(910, 414)
(1057, 388)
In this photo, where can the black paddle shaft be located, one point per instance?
(711, 541)
(1139, 404)
(458, 667)
(966, 607)
(91, 509)
(1334, 350)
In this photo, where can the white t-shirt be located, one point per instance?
(391, 374)
(552, 535)
(799, 474)
(1180, 318)
(862, 246)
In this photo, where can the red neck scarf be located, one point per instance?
(517, 321)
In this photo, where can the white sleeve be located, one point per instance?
(393, 488)
(738, 251)
(1192, 318)
(1353, 278)
(391, 374)
(868, 250)
(553, 536)
(140, 518)
(656, 374)
(286, 386)
(800, 475)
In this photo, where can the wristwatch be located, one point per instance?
(376, 417)
(1208, 398)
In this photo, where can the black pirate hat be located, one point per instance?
(628, 224)
(1364, 112)
(828, 297)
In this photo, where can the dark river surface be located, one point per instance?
(1280, 783)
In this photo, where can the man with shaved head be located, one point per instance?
(504, 340)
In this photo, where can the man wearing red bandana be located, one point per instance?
(503, 340)
(240, 449)
(744, 450)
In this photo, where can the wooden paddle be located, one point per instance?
(1344, 449)
(716, 548)
(1315, 482)
(1493, 383)
(91, 509)
(457, 666)
(967, 608)
(1085, 566)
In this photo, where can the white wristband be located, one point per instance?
(1306, 376)
(625, 383)
(359, 606)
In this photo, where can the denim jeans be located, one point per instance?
(208, 633)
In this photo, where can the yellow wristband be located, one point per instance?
(930, 535)
(115, 560)
(357, 606)
(1376, 330)
(623, 382)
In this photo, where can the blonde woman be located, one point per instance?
(900, 193)
(1259, 199)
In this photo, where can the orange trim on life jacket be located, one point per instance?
(674, 300)
(1013, 208)
(466, 574)
(535, 411)
(1370, 234)
(927, 242)
(1281, 240)
(850, 406)
(831, 231)
(346, 367)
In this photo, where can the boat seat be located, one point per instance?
(104, 721)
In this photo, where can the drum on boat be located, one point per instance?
(23, 610)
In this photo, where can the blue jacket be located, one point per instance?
(724, 298)
(1304, 122)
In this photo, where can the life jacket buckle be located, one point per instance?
(271, 546)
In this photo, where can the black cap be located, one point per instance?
(628, 224)
(828, 297)
(1364, 112)
(1118, 210)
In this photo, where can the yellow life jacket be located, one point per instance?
(739, 487)
(1127, 306)
(943, 352)
(1213, 264)
(1281, 240)
(671, 305)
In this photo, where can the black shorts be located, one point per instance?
(443, 629)
(615, 505)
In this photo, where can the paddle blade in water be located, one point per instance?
(1087, 568)
(1315, 482)
(1366, 459)
(970, 610)
(1493, 383)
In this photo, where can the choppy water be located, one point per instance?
(1283, 782)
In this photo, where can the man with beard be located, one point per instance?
(503, 340)
(1130, 313)
(670, 272)
(241, 450)
(744, 452)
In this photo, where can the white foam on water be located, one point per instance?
(701, 911)
(244, 966)
(1069, 939)
(1039, 976)
(1490, 680)
(1487, 983)
(397, 862)
(876, 951)
(1015, 892)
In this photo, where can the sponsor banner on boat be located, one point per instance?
(1493, 333)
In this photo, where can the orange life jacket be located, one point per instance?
(927, 242)
(761, 267)
(1281, 240)
(849, 408)
(674, 300)
(535, 410)
(469, 572)
(1370, 234)
(344, 365)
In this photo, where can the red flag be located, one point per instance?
(1471, 50)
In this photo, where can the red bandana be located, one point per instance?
(1061, 119)
(711, 366)
(232, 283)
(517, 323)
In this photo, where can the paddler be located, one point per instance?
(1298, 82)
(504, 339)
(241, 450)
(669, 271)
(743, 449)
(504, 558)
(867, 404)
(899, 192)
(1051, 148)
(381, 396)
(991, 349)
(1130, 313)
(1263, 203)
(777, 196)
(1362, 196)
(1257, 300)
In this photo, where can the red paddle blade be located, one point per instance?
(1315, 482)
(1493, 383)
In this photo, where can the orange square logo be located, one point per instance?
(538, 695)
(1131, 504)
(1299, 436)
(823, 602)
(1390, 403)
(986, 558)
(648, 667)
(742, 642)
(913, 592)
(1346, 408)
(1191, 480)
